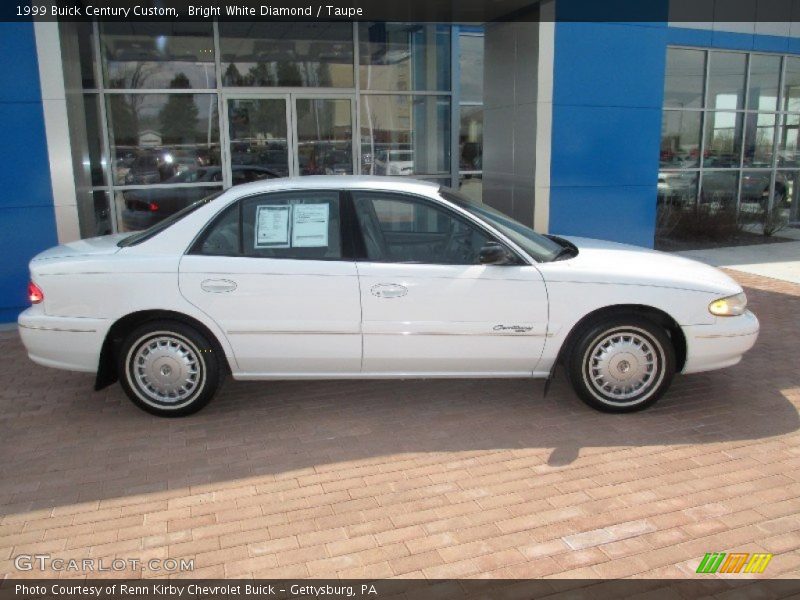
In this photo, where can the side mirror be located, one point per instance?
(494, 254)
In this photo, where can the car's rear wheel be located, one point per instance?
(168, 368)
(621, 364)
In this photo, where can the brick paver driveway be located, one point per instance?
(415, 479)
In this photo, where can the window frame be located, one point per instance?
(360, 244)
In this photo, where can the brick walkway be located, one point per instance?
(413, 479)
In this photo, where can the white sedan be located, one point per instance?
(371, 277)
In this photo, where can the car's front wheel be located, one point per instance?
(168, 368)
(622, 364)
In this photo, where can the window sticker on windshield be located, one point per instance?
(272, 226)
(310, 225)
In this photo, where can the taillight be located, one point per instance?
(153, 207)
(35, 293)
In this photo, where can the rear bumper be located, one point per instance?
(62, 342)
(721, 344)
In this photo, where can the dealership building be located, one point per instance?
(651, 132)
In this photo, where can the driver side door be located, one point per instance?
(429, 307)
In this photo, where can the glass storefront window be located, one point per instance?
(154, 93)
(755, 195)
(762, 92)
(258, 135)
(716, 216)
(94, 214)
(470, 139)
(158, 55)
(92, 159)
(86, 58)
(471, 67)
(723, 139)
(683, 86)
(677, 188)
(286, 54)
(719, 189)
(726, 80)
(791, 84)
(405, 135)
(750, 148)
(676, 203)
(788, 148)
(142, 208)
(759, 137)
(680, 139)
(157, 137)
(787, 194)
(404, 56)
(471, 186)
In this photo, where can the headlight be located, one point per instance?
(728, 307)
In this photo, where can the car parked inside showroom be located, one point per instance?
(335, 277)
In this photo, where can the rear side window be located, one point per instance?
(221, 238)
(292, 225)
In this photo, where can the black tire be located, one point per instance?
(621, 364)
(168, 368)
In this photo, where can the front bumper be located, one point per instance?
(62, 342)
(721, 344)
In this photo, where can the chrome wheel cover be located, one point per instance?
(165, 370)
(623, 366)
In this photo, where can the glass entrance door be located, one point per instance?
(286, 135)
(258, 138)
(324, 133)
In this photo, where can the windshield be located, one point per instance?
(540, 247)
(141, 236)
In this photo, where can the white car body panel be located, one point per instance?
(498, 324)
(295, 319)
(284, 316)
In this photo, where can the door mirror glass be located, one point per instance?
(494, 254)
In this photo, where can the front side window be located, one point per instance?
(411, 230)
(540, 247)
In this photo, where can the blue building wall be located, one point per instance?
(608, 92)
(27, 219)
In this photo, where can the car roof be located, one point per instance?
(337, 182)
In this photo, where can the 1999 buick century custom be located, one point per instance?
(367, 277)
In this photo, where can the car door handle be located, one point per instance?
(388, 290)
(218, 286)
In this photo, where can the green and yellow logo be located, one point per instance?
(735, 562)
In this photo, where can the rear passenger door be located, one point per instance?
(273, 272)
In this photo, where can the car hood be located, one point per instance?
(599, 261)
(106, 244)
